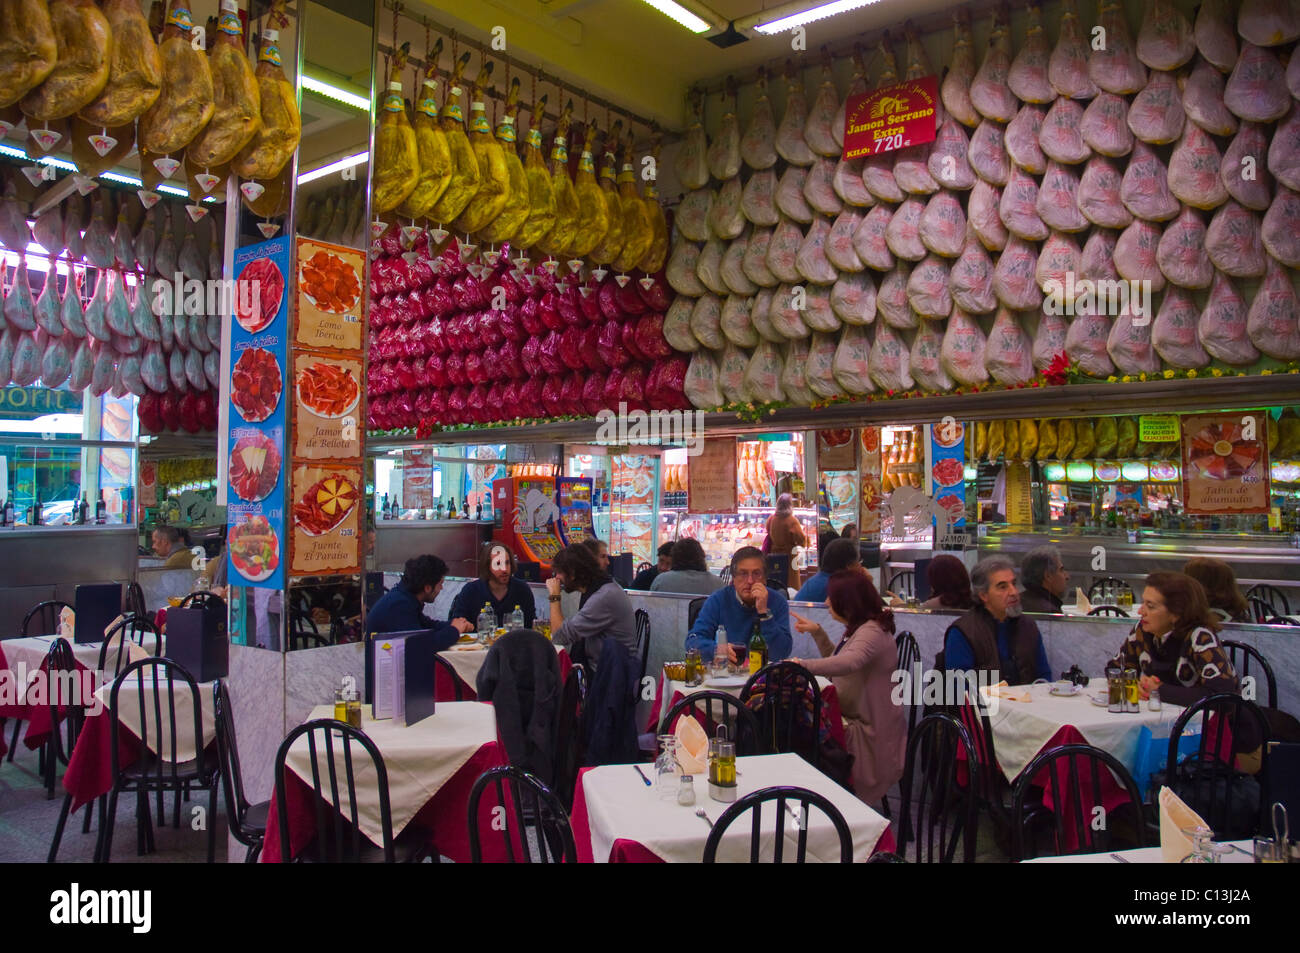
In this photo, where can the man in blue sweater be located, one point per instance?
(402, 608)
(738, 606)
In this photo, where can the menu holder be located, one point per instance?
(197, 641)
(620, 568)
(403, 675)
(96, 605)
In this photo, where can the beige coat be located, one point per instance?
(875, 727)
(786, 533)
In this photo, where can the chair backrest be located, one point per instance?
(886, 857)
(693, 611)
(1248, 662)
(134, 601)
(570, 733)
(642, 567)
(326, 738)
(944, 808)
(1074, 783)
(1207, 781)
(1108, 611)
(302, 630)
(725, 575)
(1272, 596)
(1259, 610)
(130, 629)
(909, 654)
(903, 583)
(972, 711)
(787, 703)
(798, 819)
(196, 600)
(158, 683)
(62, 696)
(642, 640)
(742, 726)
(450, 676)
(1281, 620)
(529, 807)
(1099, 586)
(43, 618)
(232, 777)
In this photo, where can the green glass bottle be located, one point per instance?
(757, 649)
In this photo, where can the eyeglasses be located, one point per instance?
(748, 574)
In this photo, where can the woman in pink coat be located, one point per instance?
(861, 668)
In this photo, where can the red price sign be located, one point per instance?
(892, 118)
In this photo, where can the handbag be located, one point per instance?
(767, 543)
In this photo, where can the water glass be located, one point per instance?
(1270, 851)
(666, 767)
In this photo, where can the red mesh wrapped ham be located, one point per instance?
(1174, 333)
(1221, 328)
(1008, 353)
(962, 351)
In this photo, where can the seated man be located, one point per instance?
(496, 586)
(738, 606)
(169, 544)
(1045, 580)
(839, 554)
(994, 637)
(605, 611)
(402, 608)
(646, 577)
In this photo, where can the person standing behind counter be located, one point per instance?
(496, 586)
(785, 533)
(738, 606)
(402, 608)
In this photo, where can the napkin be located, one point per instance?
(1175, 817)
(135, 653)
(692, 746)
(1081, 601)
(1003, 690)
(67, 623)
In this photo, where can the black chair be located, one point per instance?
(1246, 657)
(903, 583)
(725, 575)
(1098, 586)
(303, 632)
(197, 600)
(642, 567)
(133, 604)
(1108, 611)
(531, 808)
(457, 683)
(783, 796)
(129, 629)
(66, 713)
(570, 730)
(909, 653)
(157, 770)
(247, 821)
(642, 642)
(885, 857)
(1074, 803)
(43, 618)
(742, 726)
(338, 837)
(693, 611)
(1271, 596)
(1281, 620)
(1220, 794)
(945, 811)
(787, 703)
(1259, 610)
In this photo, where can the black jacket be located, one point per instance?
(400, 611)
(476, 593)
(521, 678)
(611, 707)
(1038, 599)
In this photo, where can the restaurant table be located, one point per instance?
(675, 691)
(30, 653)
(617, 818)
(432, 766)
(1242, 853)
(467, 658)
(90, 768)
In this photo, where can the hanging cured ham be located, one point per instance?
(1115, 66)
(28, 48)
(723, 154)
(186, 102)
(276, 140)
(81, 68)
(1027, 77)
(1221, 328)
(493, 190)
(397, 158)
(857, 86)
(1164, 41)
(819, 128)
(237, 112)
(541, 202)
(1067, 67)
(989, 92)
(790, 142)
(135, 72)
(1216, 34)
(1273, 322)
(758, 144)
(692, 161)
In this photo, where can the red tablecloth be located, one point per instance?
(830, 713)
(444, 817)
(627, 851)
(445, 682)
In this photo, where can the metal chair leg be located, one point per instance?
(58, 828)
(212, 827)
(106, 828)
(13, 743)
(141, 819)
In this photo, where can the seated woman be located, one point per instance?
(949, 584)
(606, 611)
(841, 554)
(689, 572)
(1175, 646)
(496, 586)
(1220, 584)
(862, 666)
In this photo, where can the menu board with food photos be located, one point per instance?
(328, 374)
(259, 342)
(837, 450)
(1225, 463)
(948, 470)
(870, 495)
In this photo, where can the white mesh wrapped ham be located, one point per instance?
(1284, 150)
(912, 170)
(857, 86)
(733, 267)
(820, 370)
(1156, 115)
(784, 316)
(1129, 343)
(758, 144)
(1215, 34)
(853, 298)
(1021, 139)
(971, 278)
(1115, 67)
(783, 251)
(852, 363)
(792, 376)
(1104, 126)
(1256, 90)
(819, 187)
(1164, 40)
(1097, 261)
(1049, 340)
(724, 151)
(761, 316)
(1144, 190)
(848, 185)
(692, 218)
(1067, 67)
(1244, 170)
(891, 299)
(988, 153)
(869, 240)
(790, 143)
(1007, 354)
(677, 325)
(1014, 280)
(818, 313)
(1203, 100)
(890, 360)
(989, 92)
(839, 244)
(709, 268)
(726, 218)
(735, 323)
(962, 351)
(1058, 200)
(1221, 328)
(948, 164)
(1085, 344)
(681, 269)
(1135, 254)
(1233, 242)
(1281, 230)
(1060, 137)
(818, 129)
(1058, 262)
(878, 177)
(927, 288)
(982, 213)
(755, 261)
(790, 200)
(1019, 207)
(1173, 334)
(732, 364)
(701, 384)
(706, 322)
(925, 359)
(1273, 321)
(1027, 77)
(1181, 252)
(943, 225)
(903, 233)
(954, 91)
(692, 164)
(1194, 175)
(811, 261)
(1268, 22)
(763, 374)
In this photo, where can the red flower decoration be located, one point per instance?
(1056, 371)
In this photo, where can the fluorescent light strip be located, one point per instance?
(329, 91)
(346, 162)
(808, 16)
(683, 16)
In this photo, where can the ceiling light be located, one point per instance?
(820, 12)
(336, 93)
(346, 162)
(683, 16)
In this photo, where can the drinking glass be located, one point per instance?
(666, 768)
(1204, 850)
(1269, 851)
(340, 705)
(354, 710)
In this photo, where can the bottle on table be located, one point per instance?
(478, 511)
(101, 510)
(757, 649)
(83, 511)
(438, 509)
(721, 658)
(384, 512)
(7, 514)
(36, 512)
(487, 623)
(515, 620)
(451, 508)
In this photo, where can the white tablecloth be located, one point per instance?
(420, 759)
(467, 659)
(619, 805)
(1147, 855)
(33, 650)
(1021, 729)
(159, 740)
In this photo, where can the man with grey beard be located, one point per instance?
(994, 637)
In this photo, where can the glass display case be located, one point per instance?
(721, 534)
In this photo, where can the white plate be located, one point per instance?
(727, 681)
(1100, 700)
(356, 399)
(1066, 692)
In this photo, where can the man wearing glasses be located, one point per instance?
(738, 606)
(1044, 579)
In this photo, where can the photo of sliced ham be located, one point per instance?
(1221, 328)
(962, 351)
(1173, 334)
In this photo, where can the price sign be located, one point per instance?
(891, 118)
(1159, 428)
